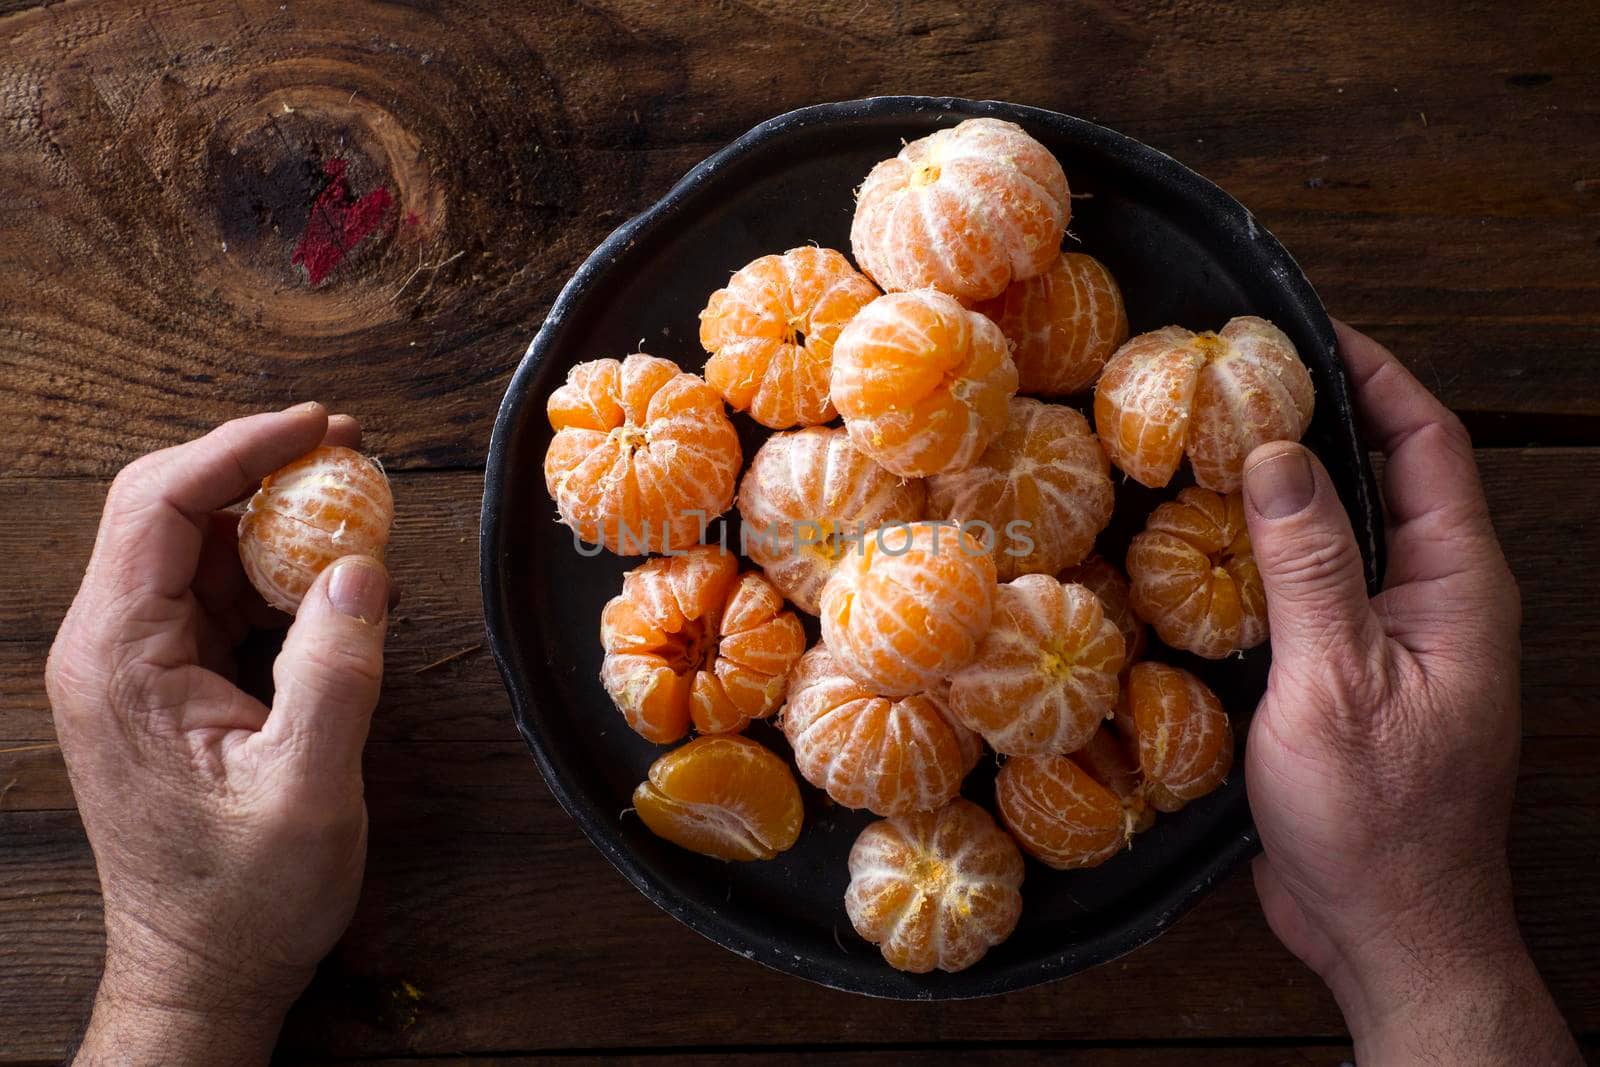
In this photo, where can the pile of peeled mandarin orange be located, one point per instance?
(926, 494)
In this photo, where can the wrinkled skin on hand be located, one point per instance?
(229, 837)
(1381, 761)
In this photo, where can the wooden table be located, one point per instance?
(1436, 170)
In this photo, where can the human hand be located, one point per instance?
(230, 838)
(1381, 762)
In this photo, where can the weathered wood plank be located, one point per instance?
(1435, 175)
(485, 898)
(1547, 530)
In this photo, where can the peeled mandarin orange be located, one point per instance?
(908, 605)
(691, 639)
(935, 889)
(1194, 577)
(965, 210)
(1215, 396)
(922, 382)
(330, 503)
(771, 332)
(884, 754)
(806, 497)
(726, 797)
(1063, 324)
(1107, 760)
(1041, 490)
(1045, 676)
(643, 455)
(1103, 579)
(1184, 736)
(1059, 814)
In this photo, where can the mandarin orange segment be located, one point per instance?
(1045, 676)
(1254, 391)
(908, 606)
(1042, 489)
(864, 750)
(1194, 577)
(1214, 396)
(759, 644)
(330, 503)
(922, 382)
(1102, 578)
(935, 890)
(690, 640)
(965, 210)
(807, 496)
(1143, 401)
(643, 454)
(1107, 760)
(726, 797)
(1184, 736)
(1063, 324)
(1059, 814)
(771, 334)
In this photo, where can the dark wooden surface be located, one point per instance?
(1435, 168)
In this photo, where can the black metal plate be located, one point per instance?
(1184, 252)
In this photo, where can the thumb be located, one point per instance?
(327, 676)
(1316, 587)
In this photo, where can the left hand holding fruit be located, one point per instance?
(230, 837)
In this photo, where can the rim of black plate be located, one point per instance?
(1166, 905)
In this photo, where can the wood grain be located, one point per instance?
(483, 898)
(1435, 172)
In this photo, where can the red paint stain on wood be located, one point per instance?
(337, 223)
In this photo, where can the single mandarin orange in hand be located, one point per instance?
(1103, 579)
(885, 754)
(935, 889)
(691, 639)
(1185, 738)
(965, 210)
(807, 497)
(1194, 578)
(330, 503)
(771, 332)
(1106, 759)
(908, 606)
(1214, 396)
(1059, 814)
(643, 456)
(726, 797)
(1042, 490)
(1063, 324)
(1045, 676)
(922, 382)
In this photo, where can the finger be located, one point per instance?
(1316, 586)
(343, 431)
(159, 506)
(1439, 521)
(328, 675)
(212, 702)
(219, 580)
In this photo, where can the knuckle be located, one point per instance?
(1454, 433)
(133, 483)
(1315, 561)
(347, 661)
